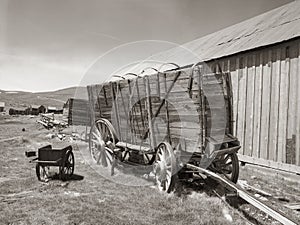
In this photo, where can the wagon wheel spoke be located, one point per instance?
(228, 167)
(102, 143)
(164, 167)
(229, 163)
(226, 158)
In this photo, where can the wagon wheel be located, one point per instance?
(102, 143)
(42, 172)
(228, 166)
(165, 167)
(67, 170)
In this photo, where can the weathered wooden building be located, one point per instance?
(262, 56)
(37, 109)
(18, 111)
(52, 109)
(76, 112)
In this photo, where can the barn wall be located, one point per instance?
(266, 99)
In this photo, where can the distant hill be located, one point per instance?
(54, 98)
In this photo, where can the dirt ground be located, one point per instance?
(89, 198)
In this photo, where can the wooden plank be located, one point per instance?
(201, 103)
(270, 164)
(273, 133)
(246, 196)
(249, 106)
(293, 206)
(257, 105)
(234, 72)
(138, 86)
(91, 103)
(125, 110)
(292, 114)
(116, 112)
(298, 113)
(150, 114)
(283, 106)
(242, 101)
(167, 110)
(265, 107)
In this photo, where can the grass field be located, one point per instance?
(91, 199)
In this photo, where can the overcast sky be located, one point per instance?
(49, 44)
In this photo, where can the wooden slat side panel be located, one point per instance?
(292, 109)
(265, 107)
(250, 105)
(283, 106)
(298, 113)
(234, 71)
(273, 132)
(257, 105)
(242, 101)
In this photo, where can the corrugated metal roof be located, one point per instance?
(275, 26)
(2, 104)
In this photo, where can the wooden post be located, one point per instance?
(150, 114)
(114, 99)
(283, 106)
(257, 105)
(274, 111)
(167, 110)
(298, 114)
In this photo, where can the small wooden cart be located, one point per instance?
(49, 157)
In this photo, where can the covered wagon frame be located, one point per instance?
(166, 119)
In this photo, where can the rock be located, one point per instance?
(50, 136)
(64, 184)
(227, 216)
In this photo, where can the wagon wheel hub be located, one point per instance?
(160, 170)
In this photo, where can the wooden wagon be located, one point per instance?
(166, 119)
(50, 157)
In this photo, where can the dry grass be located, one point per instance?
(92, 200)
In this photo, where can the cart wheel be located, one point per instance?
(228, 165)
(42, 172)
(67, 169)
(102, 142)
(165, 167)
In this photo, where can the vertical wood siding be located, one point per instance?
(266, 100)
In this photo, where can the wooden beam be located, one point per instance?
(257, 105)
(235, 90)
(265, 106)
(246, 196)
(242, 76)
(250, 105)
(298, 113)
(274, 110)
(283, 106)
(270, 164)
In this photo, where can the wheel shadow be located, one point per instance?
(74, 177)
